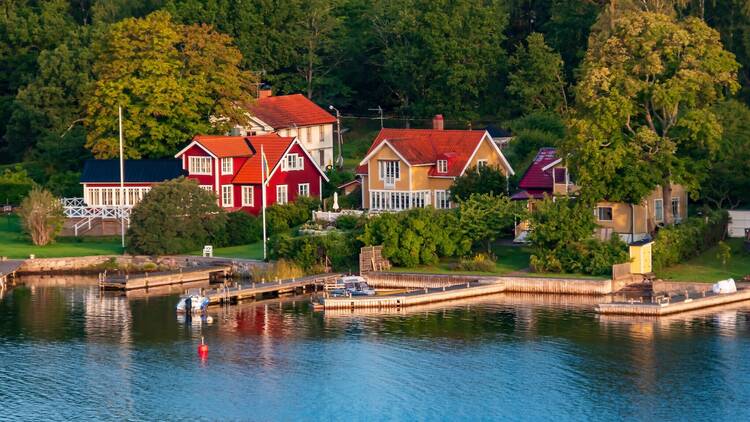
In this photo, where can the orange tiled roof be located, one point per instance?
(225, 146)
(273, 146)
(285, 111)
(426, 146)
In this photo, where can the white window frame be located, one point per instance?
(599, 213)
(676, 214)
(482, 164)
(303, 187)
(282, 199)
(658, 218)
(227, 166)
(442, 166)
(389, 173)
(209, 188)
(248, 196)
(224, 196)
(293, 161)
(442, 199)
(199, 164)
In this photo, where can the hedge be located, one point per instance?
(683, 241)
(310, 252)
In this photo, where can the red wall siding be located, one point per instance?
(196, 151)
(293, 178)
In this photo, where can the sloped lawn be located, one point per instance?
(707, 268)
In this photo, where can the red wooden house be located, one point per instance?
(231, 166)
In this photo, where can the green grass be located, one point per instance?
(356, 143)
(251, 251)
(707, 268)
(14, 244)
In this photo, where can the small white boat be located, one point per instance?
(192, 303)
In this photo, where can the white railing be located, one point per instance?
(330, 217)
(77, 208)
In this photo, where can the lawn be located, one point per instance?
(251, 251)
(356, 143)
(14, 244)
(707, 268)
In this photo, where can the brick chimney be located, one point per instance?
(265, 92)
(437, 122)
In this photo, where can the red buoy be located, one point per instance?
(203, 349)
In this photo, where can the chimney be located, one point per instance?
(264, 91)
(437, 122)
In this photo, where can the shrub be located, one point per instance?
(417, 236)
(15, 184)
(480, 262)
(489, 180)
(280, 218)
(282, 269)
(349, 222)
(175, 217)
(42, 216)
(313, 252)
(677, 243)
(485, 217)
(242, 228)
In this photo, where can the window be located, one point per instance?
(207, 187)
(481, 164)
(303, 189)
(382, 200)
(676, 208)
(309, 133)
(199, 165)
(442, 199)
(226, 166)
(247, 196)
(604, 213)
(227, 196)
(389, 171)
(659, 209)
(293, 162)
(442, 166)
(282, 195)
(321, 133)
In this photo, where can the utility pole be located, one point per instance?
(340, 158)
(379, 110)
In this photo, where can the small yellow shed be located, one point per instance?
(640, 256)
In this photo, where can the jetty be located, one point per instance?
(660, 306)
(234, 294)
(417, 297)
(164, 278)
(8, 268)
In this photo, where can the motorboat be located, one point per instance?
(351, 286)
(197, 304)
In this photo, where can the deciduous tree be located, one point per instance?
(536, 77)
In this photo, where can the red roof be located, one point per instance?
(225, 146)
(536, 177)
(273, 147)
(285, 111)
(427, 146)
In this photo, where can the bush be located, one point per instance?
(683, 241)
(481, 262)
(280, 218)
(15, 184)
(242, 228)
(486, 217)
(313, 252)
(561, 239)
(175, 217)
(490, 180)
(417, 236)
(282, 270)
(42, 216)
(350, 222)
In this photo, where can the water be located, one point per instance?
(69, 352)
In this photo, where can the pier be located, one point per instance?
(418, 297)
(225, 295)
(668, 307)
(8, 268)
(167, 278)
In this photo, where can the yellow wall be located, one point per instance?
(644, 213)
(487, 152)
(386, 153)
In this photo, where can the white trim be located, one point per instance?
(229, 160)
(656, 219)
(286, 196)
(368, 157)
(497, 150)
(218, 186)
(307, 154)
(552, 164)
(247, 188)
(299, 189)
(611, 211)
(190, 145)
(193, 169)
(444, 169)
(320, 188)
(231, 196)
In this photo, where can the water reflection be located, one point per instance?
(73, 352)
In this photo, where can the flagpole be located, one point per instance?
(263, 186)
(122, 185)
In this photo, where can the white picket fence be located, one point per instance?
(330, 217)
(77, 208)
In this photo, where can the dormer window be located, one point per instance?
(293, 162)
(442, 166)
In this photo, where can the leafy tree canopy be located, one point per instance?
(488, 180)
(173, 81)
(536, 77)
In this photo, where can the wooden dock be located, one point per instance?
(659, 309)
(419, 297)
(167, 278)
(8, 268)
(254, 290)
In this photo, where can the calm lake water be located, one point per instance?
(69, 352)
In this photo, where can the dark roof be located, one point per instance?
(536, 177)
(136, 171)
(498, 132)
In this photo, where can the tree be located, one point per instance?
(530, 133)
(173, 81)
(175, 217)
(536, 77)
(15, 184)
(728, 181)
(475, 181)
(485, 217)
(644, 107)
(42, 216)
